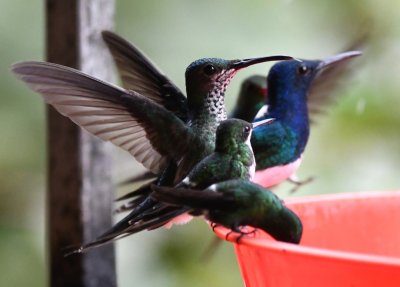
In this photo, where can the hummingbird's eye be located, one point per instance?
(246, 130)
(302, 70)
(209, 70)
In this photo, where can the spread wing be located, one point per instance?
(125, 118)
(139, 74)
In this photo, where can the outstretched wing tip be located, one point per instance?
(97, 106)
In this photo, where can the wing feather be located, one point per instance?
(139, 74)
(125, 118)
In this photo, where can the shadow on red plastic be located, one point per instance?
(348, 240)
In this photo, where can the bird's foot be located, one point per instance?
(299, 183)
(229, 233)
(241, 233)
(245, 233)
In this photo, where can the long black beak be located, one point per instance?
(263, 122)
(240, 64)
(338, 59)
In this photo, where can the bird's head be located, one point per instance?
(286, 226)
(291, 80)
(232, 133)
(207, 78)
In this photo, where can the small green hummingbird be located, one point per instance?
(233, 155)
(236, 203)
(232, 159)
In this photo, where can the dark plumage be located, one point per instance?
(237, 203)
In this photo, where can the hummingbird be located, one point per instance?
(253, 99)
(278, 147)
(232, 158)
(236, 203)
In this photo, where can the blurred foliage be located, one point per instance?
(353, 148)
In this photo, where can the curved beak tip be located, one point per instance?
(339, 58)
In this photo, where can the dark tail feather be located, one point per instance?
(140, 177)
(201, 199)
(124, 223)
(131, 204)
(132, 229)
(170, 195)
(139, 196)
(148, 210)
(143, 190)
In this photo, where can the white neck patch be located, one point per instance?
(252, 169)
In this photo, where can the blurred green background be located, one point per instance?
(354, 148)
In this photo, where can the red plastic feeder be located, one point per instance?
(348, 240)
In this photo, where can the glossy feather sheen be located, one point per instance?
(219, 167)
(276, 145)
(236, 203)
(252, 204)
(291, 97)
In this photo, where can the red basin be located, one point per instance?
(348, 240)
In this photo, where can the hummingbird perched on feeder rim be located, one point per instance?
(236, 203)
(278, 147)
(232, 159)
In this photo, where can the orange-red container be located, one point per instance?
(348, 240)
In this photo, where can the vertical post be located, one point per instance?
(79, 178)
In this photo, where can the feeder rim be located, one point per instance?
(294, 249)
